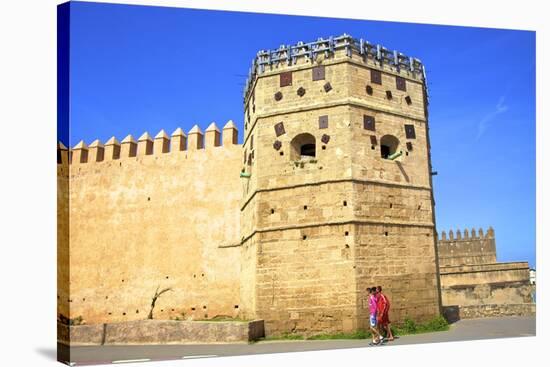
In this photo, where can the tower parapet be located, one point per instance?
(300, 53)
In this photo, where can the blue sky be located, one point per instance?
(136, 69)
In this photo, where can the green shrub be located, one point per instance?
(409, 326)
(437, 324)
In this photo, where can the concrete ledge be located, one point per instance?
(85, 334)
(455, 313)
(161, 332)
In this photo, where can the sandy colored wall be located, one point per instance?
(160, 218)
(501, 283)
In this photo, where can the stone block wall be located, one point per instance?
(398, 258)
(497, 310)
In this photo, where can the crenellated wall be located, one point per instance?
(471, 276)
(156, 212)
(467, 248)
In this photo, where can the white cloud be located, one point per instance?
(487, 119)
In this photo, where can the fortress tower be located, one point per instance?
(337, 191)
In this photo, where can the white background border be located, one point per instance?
(28, 179)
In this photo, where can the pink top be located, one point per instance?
(372, 304)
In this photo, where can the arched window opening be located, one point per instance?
(307, 150)
(388, 146)
(303, 147)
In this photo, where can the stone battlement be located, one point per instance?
(465, 235)
(467, 248)
(324, 48)
(160, 144)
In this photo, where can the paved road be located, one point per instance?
(462, 330)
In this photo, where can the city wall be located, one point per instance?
(472, 279)
(159, 212)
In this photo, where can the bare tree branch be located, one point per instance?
(154, 300)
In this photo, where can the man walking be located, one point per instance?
(373, 307)
(383, 310)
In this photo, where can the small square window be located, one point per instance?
(376, 77)
(318, 73)
(389, 95)
(285, 79)
(323, 122)
(400, 83)
(279, 129)
(368, 123)
(409, 132)
(369, 90)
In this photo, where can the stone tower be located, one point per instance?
(337, 192)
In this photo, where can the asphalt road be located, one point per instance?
(474, 329)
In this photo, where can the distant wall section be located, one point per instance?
(474, 283)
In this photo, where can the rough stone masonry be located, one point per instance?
(330, 193)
